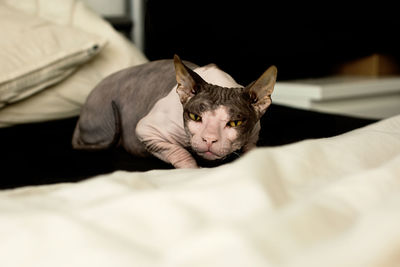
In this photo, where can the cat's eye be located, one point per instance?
(194, 117)
(235, 123)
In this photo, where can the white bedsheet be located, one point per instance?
(327, 202)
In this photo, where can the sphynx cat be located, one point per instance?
(171, 109)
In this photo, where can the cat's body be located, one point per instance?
(144, 110)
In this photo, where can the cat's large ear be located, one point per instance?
(189, 82)
(260, 91)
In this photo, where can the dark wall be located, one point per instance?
(245, 37)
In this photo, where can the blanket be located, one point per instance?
(322, 202)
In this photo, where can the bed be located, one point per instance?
(321, 202)
(320, 190)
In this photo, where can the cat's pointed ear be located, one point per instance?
(189, 82)
(260, 91)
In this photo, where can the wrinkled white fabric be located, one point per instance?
(36, 53)
(325, 202)
(66, 98)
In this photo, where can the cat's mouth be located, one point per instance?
(213, 160)
(209, 155)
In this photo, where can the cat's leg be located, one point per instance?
(97, 129)
(175, 154)
(164, 146)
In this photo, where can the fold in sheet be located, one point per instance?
(325, 202)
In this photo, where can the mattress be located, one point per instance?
(319, 202)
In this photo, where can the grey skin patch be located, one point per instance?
(236, 100)
(115, 106)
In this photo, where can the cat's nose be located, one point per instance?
(210, 140)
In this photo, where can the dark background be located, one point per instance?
(41, 153)
(245, 37)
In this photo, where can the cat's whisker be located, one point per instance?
(237, 154)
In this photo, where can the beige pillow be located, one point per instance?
(36, 53)
(65, 99)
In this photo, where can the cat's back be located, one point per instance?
(120, 100)
(141, 86)
(142, 80)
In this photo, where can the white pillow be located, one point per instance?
(66, 98)
(36, 53)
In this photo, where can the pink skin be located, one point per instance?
(163, 133)
(211, 137)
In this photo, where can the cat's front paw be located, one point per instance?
(186, 165)
(180, 158)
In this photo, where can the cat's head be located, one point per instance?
(220, 120)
